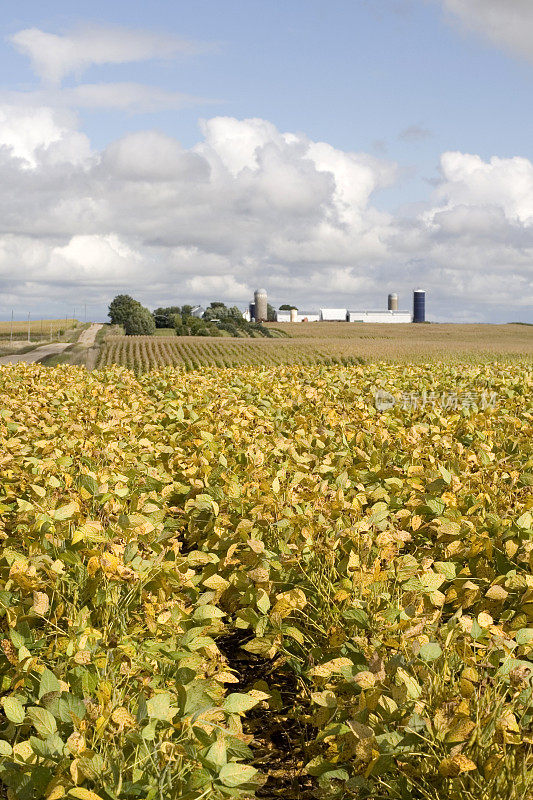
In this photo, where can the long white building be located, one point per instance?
(301, 316)
(333, 314)
(379, 316)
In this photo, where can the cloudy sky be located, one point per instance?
(329, 150)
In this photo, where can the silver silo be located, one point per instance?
(392, 303)
(260, 302)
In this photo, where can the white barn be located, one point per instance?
(333, 315)
(301, 316)
(379, 316)
(308, 316)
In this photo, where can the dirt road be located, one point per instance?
(35, 355)
(86, 339)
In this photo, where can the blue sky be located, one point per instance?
(398, 82)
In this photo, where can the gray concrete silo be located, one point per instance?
(260, 302)
(392, 303)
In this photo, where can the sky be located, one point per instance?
(330, 151)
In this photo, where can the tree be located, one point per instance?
(271, 313)
(140, 322)
(121, 307)
(287, 307)
(163, 316)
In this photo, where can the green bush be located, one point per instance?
(140, 322)
(121, 307)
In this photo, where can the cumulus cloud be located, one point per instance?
(506, 23)
(250, 205)
(33, 134)
(54, 56)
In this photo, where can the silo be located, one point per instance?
(419, 305)
(294, 315)
(392, 303)
(260, 302)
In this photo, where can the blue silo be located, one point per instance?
(419, 305)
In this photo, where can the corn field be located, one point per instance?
(143, 353)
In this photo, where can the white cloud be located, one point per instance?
(41, 133)
(506, 23)
(54, 56)
(503, 183)
(250, 205)
(223, 287)
(134, 98)
(153, 156)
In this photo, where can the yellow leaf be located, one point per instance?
(454, 766)
(333, 667)
(365, 679)
(293, 600)
(56, 793)
(83, 794)
(121, 716)
(41, 603)
(460, 730)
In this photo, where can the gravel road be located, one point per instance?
(86, 340)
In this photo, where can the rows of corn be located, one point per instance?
(253, 583)
(143, 353)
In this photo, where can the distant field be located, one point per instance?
(39, 328)
(331, 343)
(421, 341)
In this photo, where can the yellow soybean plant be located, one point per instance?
(288, 581)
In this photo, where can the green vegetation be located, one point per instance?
(121, 307)
(142, 353)
(250, 582)
(139, 322)
(330, 343)
(217, 320)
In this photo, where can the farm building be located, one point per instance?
(197, 311)
(333, 315)
(297, 316)
(379, 316)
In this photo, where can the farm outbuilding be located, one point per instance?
(300, 316)
(379, 316)
(333, 315)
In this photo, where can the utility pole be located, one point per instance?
(11, 328)
(29, 325)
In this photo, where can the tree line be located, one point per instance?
(217, 320)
